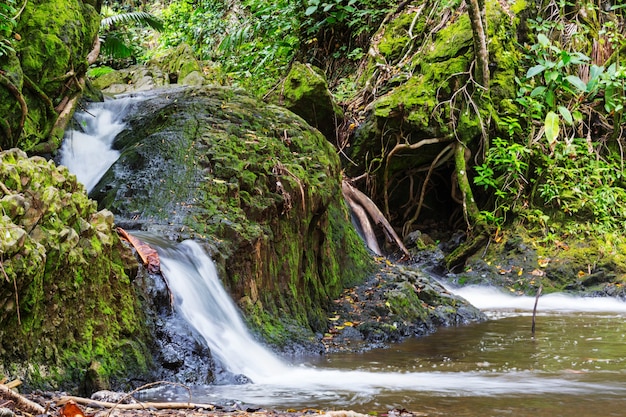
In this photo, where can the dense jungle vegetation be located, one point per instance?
(544, 149)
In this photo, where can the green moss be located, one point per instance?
(76, 303)
(404, 302)
(396, 37)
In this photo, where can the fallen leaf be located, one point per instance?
(70, 409)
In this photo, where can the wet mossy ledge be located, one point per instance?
(258, 185)
(69, 317)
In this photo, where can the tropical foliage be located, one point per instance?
(7, 23)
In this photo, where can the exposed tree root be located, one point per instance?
(459, 256)
(355, 196)
(20, 99)
(402, 147)
(443, 155)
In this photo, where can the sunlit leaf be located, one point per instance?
(577, 82)
(551, 126)
(537, 69)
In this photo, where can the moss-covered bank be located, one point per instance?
(67, 304)
(254, 179)
(36, 82)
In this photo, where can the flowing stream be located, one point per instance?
(576, 364)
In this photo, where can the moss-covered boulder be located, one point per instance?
(55, 39)
(522, 261)
(305, 92)
(396, 302)
(255, 180)
(175, 66)
(67, 304)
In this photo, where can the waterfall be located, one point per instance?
(203, 302)
(87, 151)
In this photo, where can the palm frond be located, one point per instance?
(142, 18)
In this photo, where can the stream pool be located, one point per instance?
(575, 365)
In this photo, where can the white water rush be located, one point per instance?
(200, 298)
(87, 151)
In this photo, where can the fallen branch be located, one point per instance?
(138, 406)
(21, 402)
(352, 194)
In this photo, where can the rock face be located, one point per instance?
(414, 82)
(66, 300)
(256, 182)
(56, 38)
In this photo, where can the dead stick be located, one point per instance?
(139, 406)
(21, 403)
(532, 330)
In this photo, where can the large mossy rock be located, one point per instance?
(55, 38)
(255, 180)
(67, 304)
(175, 66)
(522, 261)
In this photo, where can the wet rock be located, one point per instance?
(65, 279)
(395, 303)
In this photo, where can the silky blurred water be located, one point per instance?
(573, 365)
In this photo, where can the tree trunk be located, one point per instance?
(476, 10)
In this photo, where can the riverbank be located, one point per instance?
(58, 404)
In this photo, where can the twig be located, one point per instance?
(21, 402)
(5, 189)
(532, 330)
(20, 99)
(139, 406)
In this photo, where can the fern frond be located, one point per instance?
(142, 18)
(115, 47)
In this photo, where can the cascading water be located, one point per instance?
(200, 298)
(204, 303)
(87, 151)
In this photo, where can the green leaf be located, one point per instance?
(550, 98)
(543, 40)
(551, 126)
(567, 116)
(537, 69)
(577, 82)
(310, 10)
(537, 91)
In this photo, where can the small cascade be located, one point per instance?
(203, 302)
(494, 300)
(87, 151)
